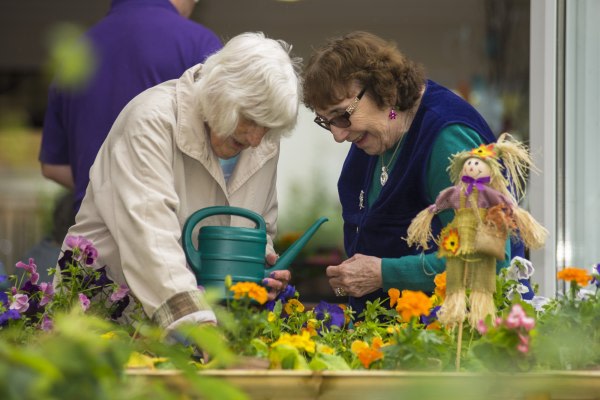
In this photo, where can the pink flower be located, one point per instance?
(120, 293)
(84, 301)
(47, 293)
(31, 268)
(20, 303)
(517, 318)
(523, 348)
(47, 324)
(482, 327)
(87, 252)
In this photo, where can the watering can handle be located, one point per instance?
(192, 221)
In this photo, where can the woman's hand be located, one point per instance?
(357, 276)
(277, 280)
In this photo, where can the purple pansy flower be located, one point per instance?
(47, 293)
(119, 293)
(284, 296)
(31, 290)
(9, 313)
(47, 324)
(20, 303)
(428, 319)
(87, 252)
(84, 301)
(596, 271)
(330, 314)
(31, 268)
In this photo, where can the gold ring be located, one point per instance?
(339, 292)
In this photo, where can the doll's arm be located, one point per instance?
(448, 198)
(532, 232)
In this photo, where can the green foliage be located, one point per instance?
(569, 332)
(71, 60)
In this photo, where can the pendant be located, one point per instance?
(384, 176)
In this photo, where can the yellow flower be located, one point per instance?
(251, 290)
(413, 304)
(394, 295)
(325, 349)
(451, 241)
(108, 335)
(579, 275)
(484, 151)
(293, 306)
(301, 342)
(440, 285)
(139, 360)
(311, 327)
(393, 329)
(271, 316)
(358, 346)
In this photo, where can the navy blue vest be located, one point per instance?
(378, 230)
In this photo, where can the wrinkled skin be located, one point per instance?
(357, 276)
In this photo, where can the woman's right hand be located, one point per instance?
(357, 276)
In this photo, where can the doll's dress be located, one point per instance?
(466, 268)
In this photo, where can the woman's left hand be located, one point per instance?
(357, 276)
(277, 280)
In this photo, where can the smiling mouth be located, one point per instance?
(358, 139)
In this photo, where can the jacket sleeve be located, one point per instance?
(143, 208)
(271, 208)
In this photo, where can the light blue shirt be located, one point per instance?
(228, 166)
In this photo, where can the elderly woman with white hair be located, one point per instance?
(209, 138)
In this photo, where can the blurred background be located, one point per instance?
(478, 48)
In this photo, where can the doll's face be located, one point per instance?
(476, 168)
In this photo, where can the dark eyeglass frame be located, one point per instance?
(341, 121)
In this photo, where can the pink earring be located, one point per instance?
(392, 114)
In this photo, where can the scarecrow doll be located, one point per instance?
(488, 184)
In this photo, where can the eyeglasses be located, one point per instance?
(341, 121)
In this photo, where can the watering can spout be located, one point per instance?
(284, 261)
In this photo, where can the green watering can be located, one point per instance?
(235, 251)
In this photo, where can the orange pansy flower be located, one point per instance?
(250, 290)
(440, 285)
(579, 275)
(484, 151)
(451, 241)
(413, 304)
(394, 295)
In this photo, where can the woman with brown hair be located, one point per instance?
(403, 128)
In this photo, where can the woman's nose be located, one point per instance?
(339, 134)
(256, 135)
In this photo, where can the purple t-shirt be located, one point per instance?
(138, 44)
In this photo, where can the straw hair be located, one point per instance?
(419, 231)
(516, 161)
(454, 308)
(531, 232)
(481, 305)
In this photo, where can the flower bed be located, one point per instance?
(55, 337)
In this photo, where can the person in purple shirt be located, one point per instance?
(138, 44)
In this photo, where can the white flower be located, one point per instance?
(538, 302)
(520, 268)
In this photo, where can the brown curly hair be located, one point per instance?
(390, 77)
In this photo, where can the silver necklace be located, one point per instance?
(383, 178)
